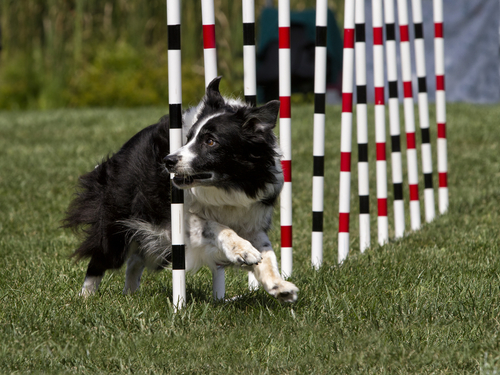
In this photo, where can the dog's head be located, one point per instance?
(230, 145)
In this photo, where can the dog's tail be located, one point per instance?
(85, 213)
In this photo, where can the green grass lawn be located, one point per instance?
(429, 303)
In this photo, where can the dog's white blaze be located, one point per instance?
(186, 153)
(190, 117)
(207, 119)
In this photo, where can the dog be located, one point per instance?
(230, 172)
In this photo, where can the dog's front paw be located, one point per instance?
(285, 291)
(244, 254)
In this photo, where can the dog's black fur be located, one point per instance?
(133, 183)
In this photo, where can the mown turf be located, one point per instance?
(428, 303)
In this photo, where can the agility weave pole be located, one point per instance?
(442, 160)
(396, 157)
(318, 181)
(362, 126)
(210, 64)
(175, 135)
(285, 126)
(423, 110)
(209, 48)
(346, 132)
(249, 75)
(249, 54)
(379, 83)
(409, 116)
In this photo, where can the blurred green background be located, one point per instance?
(83, 53)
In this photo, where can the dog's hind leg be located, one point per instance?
(135, 267)
(267, 273)
(93, 278)
(100, 261)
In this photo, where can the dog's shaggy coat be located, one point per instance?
(230, 171)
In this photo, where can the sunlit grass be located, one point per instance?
(428, 303)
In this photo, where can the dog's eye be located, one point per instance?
(210, 142)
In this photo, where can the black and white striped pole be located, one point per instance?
(319, 133)
(423, 110)
(175, 134)
(249, 57)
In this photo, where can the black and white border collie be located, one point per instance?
(230, 171)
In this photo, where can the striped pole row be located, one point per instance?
(442, 161)
(423, 108)
(346, 131)
(318, 180)
(249, 76)
(362, 126)
(285, 91)
(210, 62)
(411, 151)
(392, 78)
(175, 134)
(379, 83)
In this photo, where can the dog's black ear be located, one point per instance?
(164, 122)
(263, 119)
(213, 98)
(214, 84)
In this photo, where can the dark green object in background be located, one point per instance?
(303, 36)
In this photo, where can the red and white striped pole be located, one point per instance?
(409, 115)
(209, 49)
(210, 62)
(379, 83)
(318, 180)
(423, 108)
(285, 91)
(249, 75)
(442, 160)
(346, 131)
(175, 135)
(392, 78)
(362, 126)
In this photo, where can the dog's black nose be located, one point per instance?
(171, 161)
